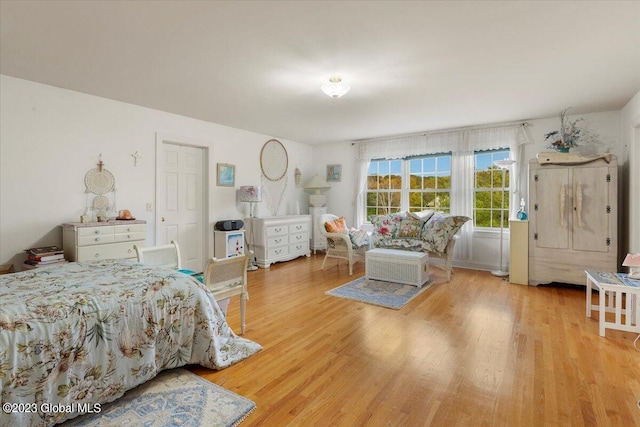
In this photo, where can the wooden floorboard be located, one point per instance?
(475, 351)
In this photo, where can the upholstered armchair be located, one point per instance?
(341, 243)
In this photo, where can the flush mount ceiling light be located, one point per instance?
(335, 88)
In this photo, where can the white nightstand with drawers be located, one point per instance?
(281, 238)
(102, 240)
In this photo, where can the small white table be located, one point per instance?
(614, 289)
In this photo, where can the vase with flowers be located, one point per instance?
(567, 137)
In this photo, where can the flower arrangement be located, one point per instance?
(567, 136)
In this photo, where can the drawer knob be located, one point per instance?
(97, 239)
(129, 251)
(97, 231)
(97, 255)
(128, 236)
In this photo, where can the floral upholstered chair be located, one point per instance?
(343, 243)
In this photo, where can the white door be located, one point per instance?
(180, 198)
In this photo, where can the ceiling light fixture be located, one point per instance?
(335, 88)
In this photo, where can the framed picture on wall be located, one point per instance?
(334, 173)
(226, 175)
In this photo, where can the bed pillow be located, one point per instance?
(440, 228)
(386, 226)
(336, 226)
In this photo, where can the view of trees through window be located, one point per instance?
(488, 190)
(420, 183)
(427, 185)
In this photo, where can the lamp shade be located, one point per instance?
(250, 193)
(317, 184)
(633, 262)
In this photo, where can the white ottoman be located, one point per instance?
(394, 265)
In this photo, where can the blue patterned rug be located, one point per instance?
(174, 398)
(377, 292)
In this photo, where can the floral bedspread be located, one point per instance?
(79, 335)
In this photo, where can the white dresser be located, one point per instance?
(280, 238)
(318, 241)
(102, 240)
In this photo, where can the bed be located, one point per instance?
(84, 333)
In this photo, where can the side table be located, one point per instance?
(615, 289)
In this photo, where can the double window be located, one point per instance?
(419, 183)
(412, 184)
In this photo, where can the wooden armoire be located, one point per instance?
(573, 220)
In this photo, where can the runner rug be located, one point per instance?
(174, 398)
(377, 292)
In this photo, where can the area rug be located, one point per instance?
(174, 398)
(377, 292)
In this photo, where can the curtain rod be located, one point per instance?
(435, 132)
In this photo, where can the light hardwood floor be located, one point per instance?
(476, 351)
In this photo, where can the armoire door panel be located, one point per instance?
(553, 215)
(590, 217)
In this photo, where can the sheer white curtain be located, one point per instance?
(462, 144)
(362, 168)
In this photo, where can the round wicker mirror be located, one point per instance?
(274, 160)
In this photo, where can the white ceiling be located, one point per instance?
(412, 66)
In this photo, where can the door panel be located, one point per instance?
(181, 202)
(553, 217)
(590, 217)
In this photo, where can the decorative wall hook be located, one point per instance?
(136, 157)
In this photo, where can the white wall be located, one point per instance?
(341, 197)
(630, 128)
(50, 138)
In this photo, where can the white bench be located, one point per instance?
(395, 265)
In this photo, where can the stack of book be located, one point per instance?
(47, 256)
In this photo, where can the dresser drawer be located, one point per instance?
(277, 252)
(99, 239)
(274, 241)
(95, 231)
(128, 237)
(277, 230)
(298, 228)
(110, 251)
(299, 238)
(299, 248)
(133, 228)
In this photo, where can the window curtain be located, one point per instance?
(362, 168)
(462, 144)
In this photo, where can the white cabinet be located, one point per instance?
(518, 252)
(281, 238)
(228, 244)
(573, 220)
(102, 240)
(318, 241)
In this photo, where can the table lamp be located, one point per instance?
(633, 262)
(317, 185)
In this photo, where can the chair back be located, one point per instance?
(224, 274)
(325, 218)
(166, 256)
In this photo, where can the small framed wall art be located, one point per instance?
(226, 175)
(334, 173)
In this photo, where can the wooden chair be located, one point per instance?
(226, 278)
(339, 245)
(167, 256)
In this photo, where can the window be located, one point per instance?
(411, 184)
(488, 190)
(384, 187)
(430, 183)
